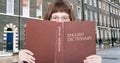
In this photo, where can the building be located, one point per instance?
(14, 14)
(108, 25)
(106, 13)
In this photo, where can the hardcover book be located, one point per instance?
(60, 42)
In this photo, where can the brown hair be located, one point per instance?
(59, 6)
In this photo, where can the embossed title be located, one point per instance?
(78, 37)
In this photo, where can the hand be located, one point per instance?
(93, 59)
(26, 55)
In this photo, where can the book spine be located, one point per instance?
(59, 45)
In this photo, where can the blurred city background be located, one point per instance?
(106, 14)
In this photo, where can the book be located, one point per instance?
(60, 42)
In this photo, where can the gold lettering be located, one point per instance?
(77, 37)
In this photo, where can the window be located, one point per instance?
(85, 1)
(106, 34)
(113, 10)
(110, 9)
(116, 34)
(119, 12)
(108, 21)
(100, 4)
(112, 21)
(119, 1)
(103, 5)
(97, 33)
(39, 9)
(96, 18)
(116, 12)
(79, 1)
(86, 14)
(107, 7)
(101, 32)
(117, 23)
(100, 19)
(95, 3)
(26, 8)
(90, 2)
(10, 7)
(91, 15)
(104, 17)
(109, 0)
(79, 13)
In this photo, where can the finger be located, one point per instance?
(28, 60)
(31, 57)
(31, 61)
(26, 57)
(93, 60)
(85, 61)
(28, 52)
(94, 57)
(25, 60)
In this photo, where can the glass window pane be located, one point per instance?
(26, 8)
(95, 4)
(39, 9)
(96, 16)
(91, 15)
(10, 7)
(99, 4)
(79, 13)
(90, 2)
(85, 1)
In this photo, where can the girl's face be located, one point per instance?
(60, 17)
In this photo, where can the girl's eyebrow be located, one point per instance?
(63, 15)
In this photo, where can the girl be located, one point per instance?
(58, 11)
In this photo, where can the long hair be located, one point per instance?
(59, 6)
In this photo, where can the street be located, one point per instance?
(110, 55)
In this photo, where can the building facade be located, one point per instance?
(13, 16)
(108, 25)
(106, 15)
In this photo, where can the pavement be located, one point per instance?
(110, 55)
(9, 59)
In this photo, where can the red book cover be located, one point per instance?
(60, 42)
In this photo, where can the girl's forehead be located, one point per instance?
(60, 14)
